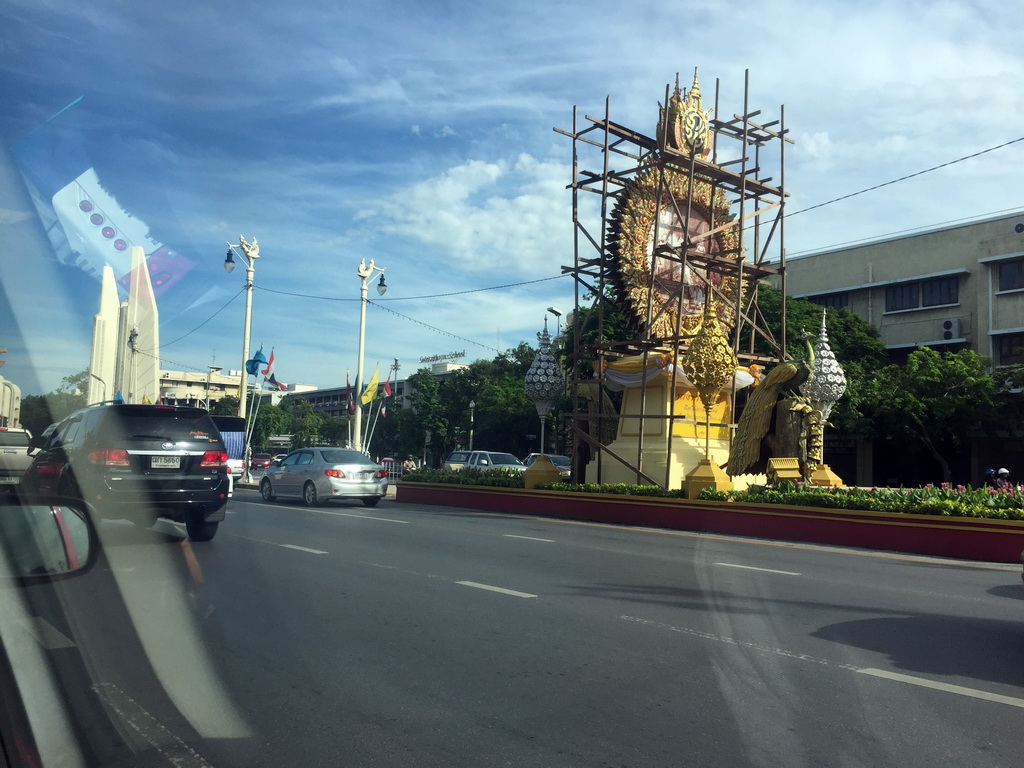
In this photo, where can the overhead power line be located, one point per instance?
(908, 176)
(413, 298)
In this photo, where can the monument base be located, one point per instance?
(822, 474)
(706, 474)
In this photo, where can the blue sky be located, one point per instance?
(420, 135)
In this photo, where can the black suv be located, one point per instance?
(138, 462)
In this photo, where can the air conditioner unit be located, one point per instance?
(951, 329)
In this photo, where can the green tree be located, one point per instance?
(40, 411)
(269, 420)
(226, 406)
(935, 400)
(430, 411)
(305, 424)
(505, 415)
(856, 343)
(334, 429)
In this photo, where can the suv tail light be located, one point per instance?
(214, 459)
(109, 457)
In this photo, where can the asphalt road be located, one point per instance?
(435, 636)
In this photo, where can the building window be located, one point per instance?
(939, 292)
(832, 300)
(935, 293)
(1010, 349)
(903, 296)
(1011, 275)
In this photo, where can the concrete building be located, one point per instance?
(955, 287)
(334, 401)
(196, 388)
(960, 286)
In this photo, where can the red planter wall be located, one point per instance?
(998, 541)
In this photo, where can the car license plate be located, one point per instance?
(165, 462)
(8, 481)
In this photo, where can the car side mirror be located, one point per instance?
(275, 463)
(46, 538)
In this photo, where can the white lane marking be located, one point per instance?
(529, 538)
(880, 673)
(303, 549)
(47, 635)
(957, 689)
(489, 588)
(740, 643)
(753, 568)
(176, 751)
(361, 517)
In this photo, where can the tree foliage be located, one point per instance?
(936, 399)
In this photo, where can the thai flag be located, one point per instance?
(274, 382)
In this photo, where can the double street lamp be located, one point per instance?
(365, 272)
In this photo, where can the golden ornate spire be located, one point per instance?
(683, 124)
(709, 363)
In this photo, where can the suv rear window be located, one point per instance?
(177, 426)
(13, 439)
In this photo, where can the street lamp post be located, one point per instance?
(558, 320)
(472, 412)
(103, 397)
(212, 370)
(365, 272)
(250, 252)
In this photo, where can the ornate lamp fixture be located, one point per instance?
(544, 381)
(823, 389)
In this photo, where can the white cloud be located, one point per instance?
(513, 213)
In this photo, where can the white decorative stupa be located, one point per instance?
(544, 382)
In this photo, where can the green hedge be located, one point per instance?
(500, 478)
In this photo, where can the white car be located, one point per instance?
(317, 475)
(493, 460)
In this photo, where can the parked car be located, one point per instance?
(138, 462)
(493, 460)
(317, 475)
(562, 463)
(260, 461)
(456, 460)
(14, 456)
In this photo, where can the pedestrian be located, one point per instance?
(990, 478)
(408, 465)
(1002, 482)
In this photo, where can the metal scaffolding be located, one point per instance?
(732, 186)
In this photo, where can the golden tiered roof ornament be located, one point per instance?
(683, 125)
(710, 363)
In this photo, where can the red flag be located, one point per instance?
(383, 409)
(387, 385)
(270, 364)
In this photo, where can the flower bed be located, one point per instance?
(945, 499)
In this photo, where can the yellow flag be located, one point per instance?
(371, 389)
(146, 400)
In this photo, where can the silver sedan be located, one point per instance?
(317, 475)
